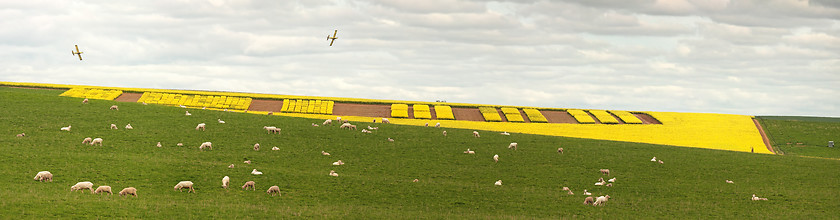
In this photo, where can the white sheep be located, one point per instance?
(255, 172)
(314, 125)
(179, 144)
(611, 180)
(273, 189)
(250, 184)
(220, 121)
(505, 133)
(588, 201)
(103, 189)
(188, 113)
(328, 122)
(600, 183)
(85, 101)
(257, 147)
(729, 181)
(565, 188)
(372, 128)
(475, 134)
(570, 192)
(338, 163)
(560, 150)
(96, 141)
(653, 160)
(338, 118)
(496, 158)
(756, 198)
(226, 181)
(20, 135)
(247, 161)
(81, 186)
(512, 145)
(325, 153)
(601, 200)
(185, 184)
(158, 144)
(66, 128)
(605, 171)
(128, 191)
(660, 162)
(275, 148)
(207, 145)
(272, 129)
(386, 121)
(415, 180)
(113, 127)
(114, 107)
(444, 133)
(437, 125)
(333, 173)
(586, 193)
(43, 176)
(499, 183)
(231, 166)
(87, 140)
(348, 126)
(200, 126)
(128, 126)
(390, 139)
(468, 151)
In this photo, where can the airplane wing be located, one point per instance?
(335, 33)
(80, 56)
(331, 42)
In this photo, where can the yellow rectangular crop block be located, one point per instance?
(444, 112)
(491, 116)
(510, 111)
(627, 117)
(514, 117)
(487, 110)
(581, 116)
(604, 117)
(534, 115)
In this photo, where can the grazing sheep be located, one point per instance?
(611, 180)
(427, 124)
(605, 171)
(275, 148)
(600, 183)
(207, 145)
(469, 151)
(364, 130)
(185, 184)
(272, 129)
(372, 128)
(588, 201)
(505, 133)
(113, 127)
(601, 200)
(338, 118)
(512, 145)
(570, 192)
(756, 198)
(66, 128)
(333, 173)
(325, 153)
(560, 150)
(128, 126)
(270, 113)
(220, 121)
(231, 166)
(437, 125)
(653, 160)
(565, 188)
(729, 181)
(114, 107)
(247, 161)
(444, 133)
(129, 191)
(609, 185)
(498, 182)
(475, 134)
(660, 162)
(86, 101)
(338, 163)
(87, 140)
(586, 193)
(496, 158)
(328, 122)
(257, 147)
(601, 179)
(158, 144)
(43, 176)
(96, 141)
(249, 184)
(348, 126)
(273, 189)
(415, 180)
(20, 135)
(179, 144)
(188, 113)
(226, 181)
(103, 189)
(386, 121)
(81, 186)
(391, 139)
(200, 127)
(255, 172)
(314, 125)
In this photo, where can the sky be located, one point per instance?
(750, 57)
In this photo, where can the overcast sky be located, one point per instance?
(753, 57)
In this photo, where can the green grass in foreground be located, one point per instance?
(375, 182)
(803, 136)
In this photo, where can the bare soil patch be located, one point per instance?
(647, 119)
(524, 116)
(763, 136)
(367, 110)
(129, 97)
(467, 114)
(558, 117)
(266, 105)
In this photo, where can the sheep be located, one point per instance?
(66, 128)
(444, 133)
(348, 126)
(188, 113)
(333, 173)
(207, 145)
(609, 185)
(390, 139)
(469, 151)
(386, 121)
(255, 172)
(43, 176)
(113, 127)
(20, 135)
(505, 133)
(96, 141)
(158, 144)
(512, 145)
(565, 188)
(437, 125)
(81, 186)
(560, 150)
(247, 161)
(200, 126)
(226, 181)
(328, 122)
(129, 191)
(653, 160)
(257, 147)
(231, 166)
(179, 144)
(605, 171)
(427, 124)
(249, 184)
(144, 103)
(498, 182)
(570, 192)
(415, 180)
(475, 134)
(184, 184)
(273, 189)
(496, 158)
(729, 181)
(599, 183)
(103, 189)
(220, 121)
(601, 200)
(86, 101)
(611, 180)
(601, 179)
(588, 201)
(272, 129)
(660, 162)
(586, 193)
(114, 107)
(338, 163)
(275, 148)
(756, 198)
(87, 140)
(128, 126)
(325, 153)
(314, 125)
(270, 113)
(365, 130)
(372, 128)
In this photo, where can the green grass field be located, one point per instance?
(376, 181)
(803, 136)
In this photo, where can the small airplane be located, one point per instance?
(332, 38)
(77, 52)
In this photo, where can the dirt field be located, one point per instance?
(467, 114)
(368, 110)
(647, 119)
(129, 97)
(266, 105)
(558, 117)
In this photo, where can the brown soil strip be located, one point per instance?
(265, 105)
(129, 97)
(597, 121)
(524, 116)
(467, 114)
(367, 110)
(432, 111)
(501, 114)
(647, 119)
(763, 136)
(558, 117)
(410, 112)
(616, 118)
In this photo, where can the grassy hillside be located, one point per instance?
(376, 181)
(803, 136)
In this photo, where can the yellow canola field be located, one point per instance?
(91, 93)
(422, 111)
(196, 101)
(604, 117)
(399, 110)
(512, 115)
(581, 116)
(490, 114)
(534, 115)
(444, 112)
(627, 117)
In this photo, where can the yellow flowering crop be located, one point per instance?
(490, 114)
(604, 116)
(512, 115)
(196, 101)
(307, 106)
(91, 93)
(581, 116)
(444, 112)
(399, 111)
(534, 115)
(627, 117)
(422, 111)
